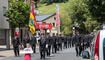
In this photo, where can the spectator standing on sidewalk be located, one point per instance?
(28, 51)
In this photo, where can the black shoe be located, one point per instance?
(16, 55)
(41, 58)
(80, 55)
(76, 54)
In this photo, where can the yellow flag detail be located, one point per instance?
(32, 29)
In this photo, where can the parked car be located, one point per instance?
(97, 51)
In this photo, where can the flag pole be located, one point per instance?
(57, 18)
(58, 29)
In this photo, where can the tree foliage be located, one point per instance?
(78, 12)
(66, 22)
(81, 15)
(18, 13)
(97, 9)
(92, 25)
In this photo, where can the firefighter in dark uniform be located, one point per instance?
(81, 48)
(73, 41)
(77, 44)
(24, 41)
(69, 41)
(60, 41)
(82, 41)
(28, 40)
(42, 46)
(16, 46)
(86, 42)
(57, 40)
(33, 43)
(54, 45)
(48, 42)
(90, 40)
(65, 41)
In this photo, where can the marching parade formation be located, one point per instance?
(52, 44)
(52, 32)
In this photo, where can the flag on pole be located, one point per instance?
(32, 21)
(57, 16)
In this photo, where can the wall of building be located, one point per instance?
(3, 7)
(52, 20)
(2, 37)
(4, 25)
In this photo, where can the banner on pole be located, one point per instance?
(57, 16)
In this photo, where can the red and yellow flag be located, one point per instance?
(32, 21)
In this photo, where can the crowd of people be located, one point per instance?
(52, 44)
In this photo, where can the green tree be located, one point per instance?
(97, 9)
(92, 25)
(78, 12)
(66, 22)
(86, 14)
(18, 13)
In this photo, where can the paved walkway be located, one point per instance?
(66, 54)
(4, 53)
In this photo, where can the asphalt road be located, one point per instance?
(66, 54)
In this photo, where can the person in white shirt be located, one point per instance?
(28, 47)
(28, 50)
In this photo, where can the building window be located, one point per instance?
(53, 24)
(54, 18)
(4, 10)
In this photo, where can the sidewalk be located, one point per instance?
(7, 53)
(65, 54)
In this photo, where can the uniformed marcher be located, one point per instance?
(42, 46)
(77, 44)
(16, 46)
(82, 41)
(65, 41)
(60, 41)
(69, 42)
(54, 45)
(28, 40)
(24, 41)
(57, 40)
(73, 41)
(85, 42)
(48, 42)
(81, 47)
(33, 43)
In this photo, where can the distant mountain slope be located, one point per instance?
(46, 9)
